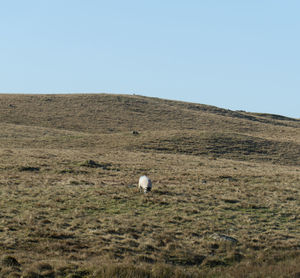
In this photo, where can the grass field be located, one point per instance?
(225, 199)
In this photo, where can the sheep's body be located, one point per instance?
(145, 184)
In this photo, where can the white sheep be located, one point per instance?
(145, 184)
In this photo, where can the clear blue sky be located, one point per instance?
(232, 54)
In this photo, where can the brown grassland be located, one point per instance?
(225, 199)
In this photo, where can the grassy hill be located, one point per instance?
(224, 203)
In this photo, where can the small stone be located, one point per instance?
(224, 238)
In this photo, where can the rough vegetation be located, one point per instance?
(225, 199)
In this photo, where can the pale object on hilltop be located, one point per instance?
(145, 184)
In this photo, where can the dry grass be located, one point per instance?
(70, 207)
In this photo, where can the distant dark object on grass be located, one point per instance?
(229, 178)
(230, 201)
(29, 169)
(90, 163)
(134, 132)
(94, 164)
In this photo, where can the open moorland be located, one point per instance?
(225, 199)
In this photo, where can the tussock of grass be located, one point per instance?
(9, 261)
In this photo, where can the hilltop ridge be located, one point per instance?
(108, 113)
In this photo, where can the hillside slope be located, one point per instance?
(164, 126)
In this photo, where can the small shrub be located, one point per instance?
(10, 261)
